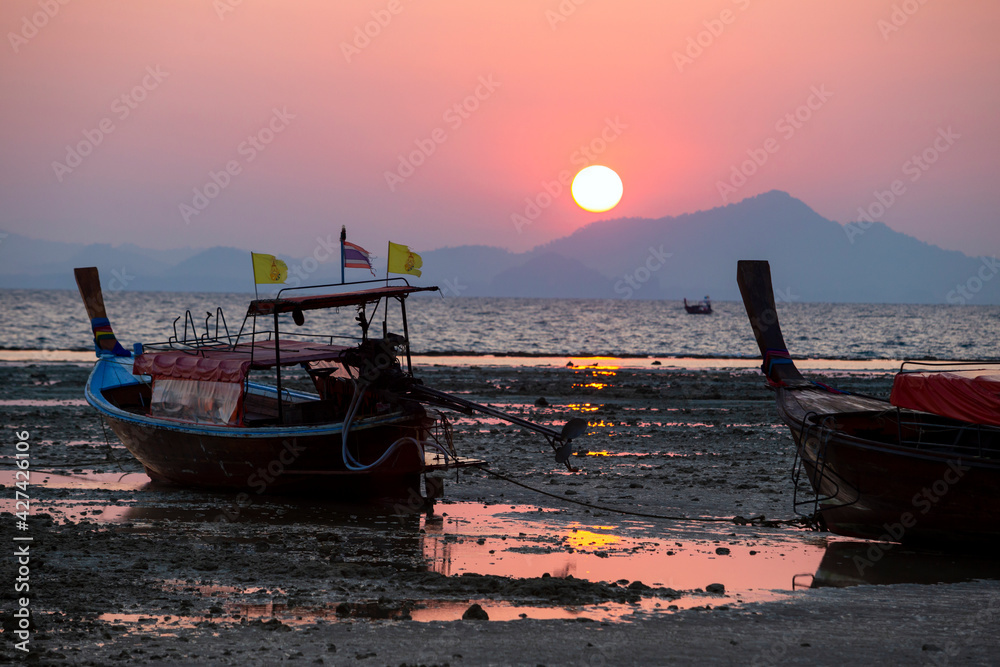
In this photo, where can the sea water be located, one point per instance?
(56, 320)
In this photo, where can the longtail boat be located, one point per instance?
(921, 467)
(702, 308)
(194, 411)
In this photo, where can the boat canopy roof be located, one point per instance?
(287, 304)
(231, 364)
(968, 395)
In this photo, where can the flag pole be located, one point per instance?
(343, 237)
(253, 272)
(388, 245)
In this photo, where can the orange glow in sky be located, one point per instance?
(265, 124)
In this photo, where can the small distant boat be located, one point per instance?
(922, 467)
(194, 411)
(703, 308)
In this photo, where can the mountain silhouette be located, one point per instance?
(812, 259)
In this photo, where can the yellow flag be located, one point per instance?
(401, 260)
(267, 269)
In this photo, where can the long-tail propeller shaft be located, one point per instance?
(561, 440)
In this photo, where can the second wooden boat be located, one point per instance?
(879, 469)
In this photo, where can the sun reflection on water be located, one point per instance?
(586, 539)
(591, 385)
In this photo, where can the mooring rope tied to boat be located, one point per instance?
(354, 464)
(107, 442)
(738, 520)
(75, 464)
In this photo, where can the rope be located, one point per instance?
(78, 464)
(738, 520)
(107, 442)
(354, 464)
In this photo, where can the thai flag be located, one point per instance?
(356, 257)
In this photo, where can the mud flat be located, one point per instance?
(123, 571)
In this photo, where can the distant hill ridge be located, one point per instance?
(812, 259)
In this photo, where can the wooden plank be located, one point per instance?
(800, 402)
(436, 461)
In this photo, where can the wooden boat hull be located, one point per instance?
(698, 308)
(273, 460)
(878, 490)
(878, 471)
(290, 463)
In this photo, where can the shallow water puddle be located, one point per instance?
(51, 493)
(42, 403)
(523, 542)
(512, 541)
(110, 481)
(415, 610)
(503, 611)
(424, 611)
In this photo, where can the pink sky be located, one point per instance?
(673, 129)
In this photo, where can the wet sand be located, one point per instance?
(123, 571)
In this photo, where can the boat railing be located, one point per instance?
(190, 338)
(383, 281)
(219, 336)
(926, 432)
(225, 341)
(934, 366)
(939, 434)
(818, 432)
(221, 328)
(328, 339)
(442, 433)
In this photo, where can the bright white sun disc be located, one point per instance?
(597, 188)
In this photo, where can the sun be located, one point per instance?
(597, 188)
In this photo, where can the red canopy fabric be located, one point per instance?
(970, 396)
(231, 365)
(183, 366)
